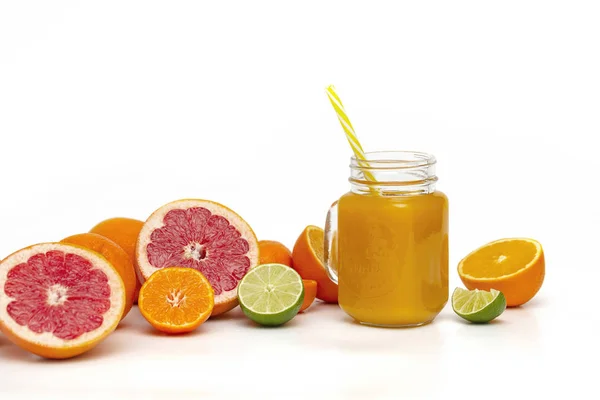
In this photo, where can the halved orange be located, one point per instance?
(176, 299)
(514, 266)
(308, 262)
(310, 293)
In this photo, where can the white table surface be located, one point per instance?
(320, 354)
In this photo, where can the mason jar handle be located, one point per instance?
(330, 246)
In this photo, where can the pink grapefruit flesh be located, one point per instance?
(203, 235)
(59, 300)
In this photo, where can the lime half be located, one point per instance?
(478, 305)
(271, 294)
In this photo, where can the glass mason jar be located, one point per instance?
(386, 241)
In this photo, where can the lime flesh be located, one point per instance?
(478, 306)
(271, 294)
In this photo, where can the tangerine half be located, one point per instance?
(176, 300)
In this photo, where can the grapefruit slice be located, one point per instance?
(203, 235)
(59, 300)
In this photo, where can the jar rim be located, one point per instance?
(400, 159)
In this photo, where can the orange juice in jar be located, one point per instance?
(387, 241)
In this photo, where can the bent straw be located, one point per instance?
(359, 153)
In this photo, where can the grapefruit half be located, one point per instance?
(203, 235)
(59, 300)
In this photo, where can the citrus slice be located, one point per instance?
(176, 300)
(308, 261)
(271, 294)
(115, 255)
(59, 300)
(516, 267)
(477, 305)
(124, 232)
(203, 235)
(310, 293)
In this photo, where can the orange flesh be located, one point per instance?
(176, 297)
(499, 259)
(317, 238)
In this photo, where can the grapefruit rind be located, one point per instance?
(46, 344)
(225, 301)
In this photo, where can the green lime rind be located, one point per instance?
(271, 294)
(478, 306)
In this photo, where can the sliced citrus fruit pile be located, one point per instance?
(308, 261)
(197, 259)
(113, 254)
(124, 232)
(176, 300)
(271, 294)
(59, 300)
(203, 235)
(515, 267)
(478, 306)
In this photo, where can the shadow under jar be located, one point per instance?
(387, 241)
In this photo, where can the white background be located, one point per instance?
(114, 108)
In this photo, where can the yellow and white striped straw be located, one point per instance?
(359, 153)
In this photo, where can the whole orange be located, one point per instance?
(124, 232)
(273, 252)
(115, 255)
